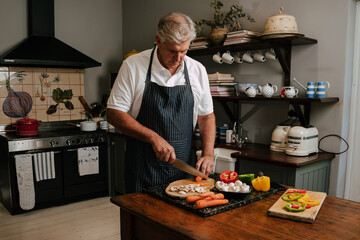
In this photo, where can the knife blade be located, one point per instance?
(187, 168)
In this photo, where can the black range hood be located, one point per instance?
(41, 48)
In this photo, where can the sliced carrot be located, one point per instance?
(209, 203)
(207, 194)
(198, 179)
(217, 196)
(194, 198)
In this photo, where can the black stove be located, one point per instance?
(53, 139)
(53, 135)
(64, 142)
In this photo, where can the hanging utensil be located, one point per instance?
(86, 106)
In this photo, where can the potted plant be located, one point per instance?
(222, 22)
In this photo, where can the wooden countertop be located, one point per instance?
(146, 217)
(262, 153)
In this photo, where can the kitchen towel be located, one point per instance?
(88, 160)
(44, 166)
(25, 181)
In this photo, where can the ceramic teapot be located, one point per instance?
(251, 91)
(268, 90)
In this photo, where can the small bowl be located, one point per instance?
(232, 195)
(241, 87)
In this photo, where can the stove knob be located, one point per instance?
(85, 140)
(68, 142)
(78, 140)
(102, 139)
(52, 143)
(91, 140)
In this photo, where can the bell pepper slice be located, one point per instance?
(261, 183)
(296, 191)
(228, 176)
(291, 196)
(309, 202)
(295, 207)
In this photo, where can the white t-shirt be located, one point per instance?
(127, 92)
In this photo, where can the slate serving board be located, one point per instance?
(159, 192)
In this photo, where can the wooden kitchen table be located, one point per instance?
(146, 217)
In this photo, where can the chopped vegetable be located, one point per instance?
(209, 203)
(261, 183)
(295, 207)
(309, 202)
(228, 176)
(291, 196)
(296, 191)
(198, 179)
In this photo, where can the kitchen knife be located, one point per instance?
(187, 168)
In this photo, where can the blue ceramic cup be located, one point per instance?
(321, 89)
(310, 90)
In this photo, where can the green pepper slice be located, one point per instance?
(291, 196)
(295, 207)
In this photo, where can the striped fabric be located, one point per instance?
(169, 112)
(44, 166)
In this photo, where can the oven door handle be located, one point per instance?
(37, 151)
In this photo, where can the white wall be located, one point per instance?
(328, 21)
(91, 26)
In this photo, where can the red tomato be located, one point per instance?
(228, 176)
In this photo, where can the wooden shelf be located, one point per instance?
(281, 46)
(299, 100)
(303, 115)
(254, 45)
(262, 153)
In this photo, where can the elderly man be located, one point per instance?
(157, 99)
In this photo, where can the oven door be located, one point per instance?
(47, 192)
(82, 187)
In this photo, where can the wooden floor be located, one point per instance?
(91, 220)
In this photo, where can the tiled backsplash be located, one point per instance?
(54, 93)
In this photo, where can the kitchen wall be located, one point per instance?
(331, 22)
(46, 94)
(92, 27)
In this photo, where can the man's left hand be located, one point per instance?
(205, 164)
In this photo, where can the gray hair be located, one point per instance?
(176, 27)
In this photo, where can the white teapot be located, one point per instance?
(251, 91)
(268, 90)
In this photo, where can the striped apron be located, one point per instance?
(169, 112)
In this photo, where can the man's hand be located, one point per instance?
(163, 150)
(129, 126)
(205, 164)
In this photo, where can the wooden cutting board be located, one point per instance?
(208, 183)
(309, 215)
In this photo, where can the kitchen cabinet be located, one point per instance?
(116, 163)
(311, 172)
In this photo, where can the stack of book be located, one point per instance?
(241, 36)
(199, 42)
(221, 85)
